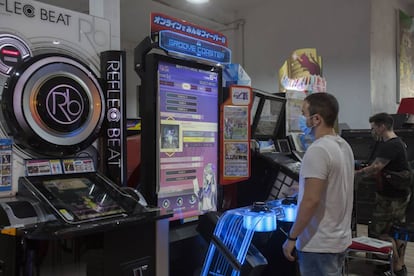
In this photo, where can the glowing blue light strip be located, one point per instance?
(235, 230)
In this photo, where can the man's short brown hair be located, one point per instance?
(324, 104)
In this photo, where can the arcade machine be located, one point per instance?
(181, 88)
(274, 168)
(231, 251)
(58, 213)
(274, 178)
(281, 145)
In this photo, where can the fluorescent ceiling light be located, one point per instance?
(198, 1)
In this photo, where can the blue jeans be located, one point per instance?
(321, 264)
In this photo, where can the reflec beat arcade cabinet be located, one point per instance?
(53, 201)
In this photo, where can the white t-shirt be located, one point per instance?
(329, 231)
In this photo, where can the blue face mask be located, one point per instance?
(309, 135)
(302, 125)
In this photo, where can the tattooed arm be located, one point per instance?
(374, 168)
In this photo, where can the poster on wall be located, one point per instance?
(235, 137)
(236, 159)
(6, 166)
(405, 56)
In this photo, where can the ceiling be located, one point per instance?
(220, 11)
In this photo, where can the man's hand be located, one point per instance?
(288, 250)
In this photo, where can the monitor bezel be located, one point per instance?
(266, 96)
(149, 95)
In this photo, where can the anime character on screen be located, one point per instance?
(208, 193)
(170, 137)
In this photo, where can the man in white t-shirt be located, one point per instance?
(322, 230)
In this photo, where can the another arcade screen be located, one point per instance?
(268, 112)
(361, 142)
(188, 137)
(78, 199)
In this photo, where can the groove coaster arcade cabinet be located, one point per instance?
(180, 96)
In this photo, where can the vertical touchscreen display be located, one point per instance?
(188, 139)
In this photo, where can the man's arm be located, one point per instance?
(314, 188)
(376, 166)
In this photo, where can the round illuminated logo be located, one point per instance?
(64, 104)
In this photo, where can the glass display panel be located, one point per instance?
(79, 199)
(269, 118)
(253, 109)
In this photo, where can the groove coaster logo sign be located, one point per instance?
(64, 104)
(28, 10)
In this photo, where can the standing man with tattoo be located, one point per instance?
(393, 177)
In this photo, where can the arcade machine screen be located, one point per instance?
(78, 199)
(188, 137)
(268, 117)
(362, 143)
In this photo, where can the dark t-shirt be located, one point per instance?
(394, 150)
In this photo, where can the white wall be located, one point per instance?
(356, 39)
(383, 56)
(338, 29)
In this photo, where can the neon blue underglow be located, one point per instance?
(290, 213)
(260, 222)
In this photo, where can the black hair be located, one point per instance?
(382, 119)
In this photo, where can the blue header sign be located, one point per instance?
(192, 47)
